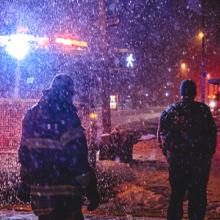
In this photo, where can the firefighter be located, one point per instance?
(54, 157)
(187, 137)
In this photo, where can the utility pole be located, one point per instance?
(104, 71)
(17, 80)
(203, 56)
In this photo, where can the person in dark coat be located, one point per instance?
(53, 154)
(187, 137)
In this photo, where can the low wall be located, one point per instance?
(11, 114)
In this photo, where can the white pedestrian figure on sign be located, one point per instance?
(130, 60)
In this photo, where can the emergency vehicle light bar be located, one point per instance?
(43, 41)
(71, 42)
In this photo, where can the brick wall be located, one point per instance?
(11, 114)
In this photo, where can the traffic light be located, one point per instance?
(130, 60)
(123, 60)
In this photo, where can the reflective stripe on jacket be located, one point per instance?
(66, 138)
(53, 190)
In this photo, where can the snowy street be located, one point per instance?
(31, 217)
(25, 216)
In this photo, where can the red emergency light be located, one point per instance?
(71, 42)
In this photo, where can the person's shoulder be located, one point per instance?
(31, 111)
(173, 107)
(73, 109)
(178, 104)
(33, 108)
(168, 110)
(202, 106)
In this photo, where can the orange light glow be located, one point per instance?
(183, 66)
(93, 115)
(71, 42)
(208, 76)
(201, 35)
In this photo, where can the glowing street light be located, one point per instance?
(18, 46)
(183, 67)
(201, 35)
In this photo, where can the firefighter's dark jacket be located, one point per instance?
(187, 130)
(53, 155)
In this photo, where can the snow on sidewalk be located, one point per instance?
(13, 215)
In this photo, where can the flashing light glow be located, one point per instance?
(201, 35)
(130, 60)
(3, 40)
(18, 46)
(42, 41)
(183, 66)
(166, 94)
(113, 101)
(212, 104)
(71, 42)
(93, 116)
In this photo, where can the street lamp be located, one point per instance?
(183, 66)
(18, 47)
(183, 69)
(201, 37)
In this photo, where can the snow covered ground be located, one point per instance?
(27, 216)
(139, 190)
